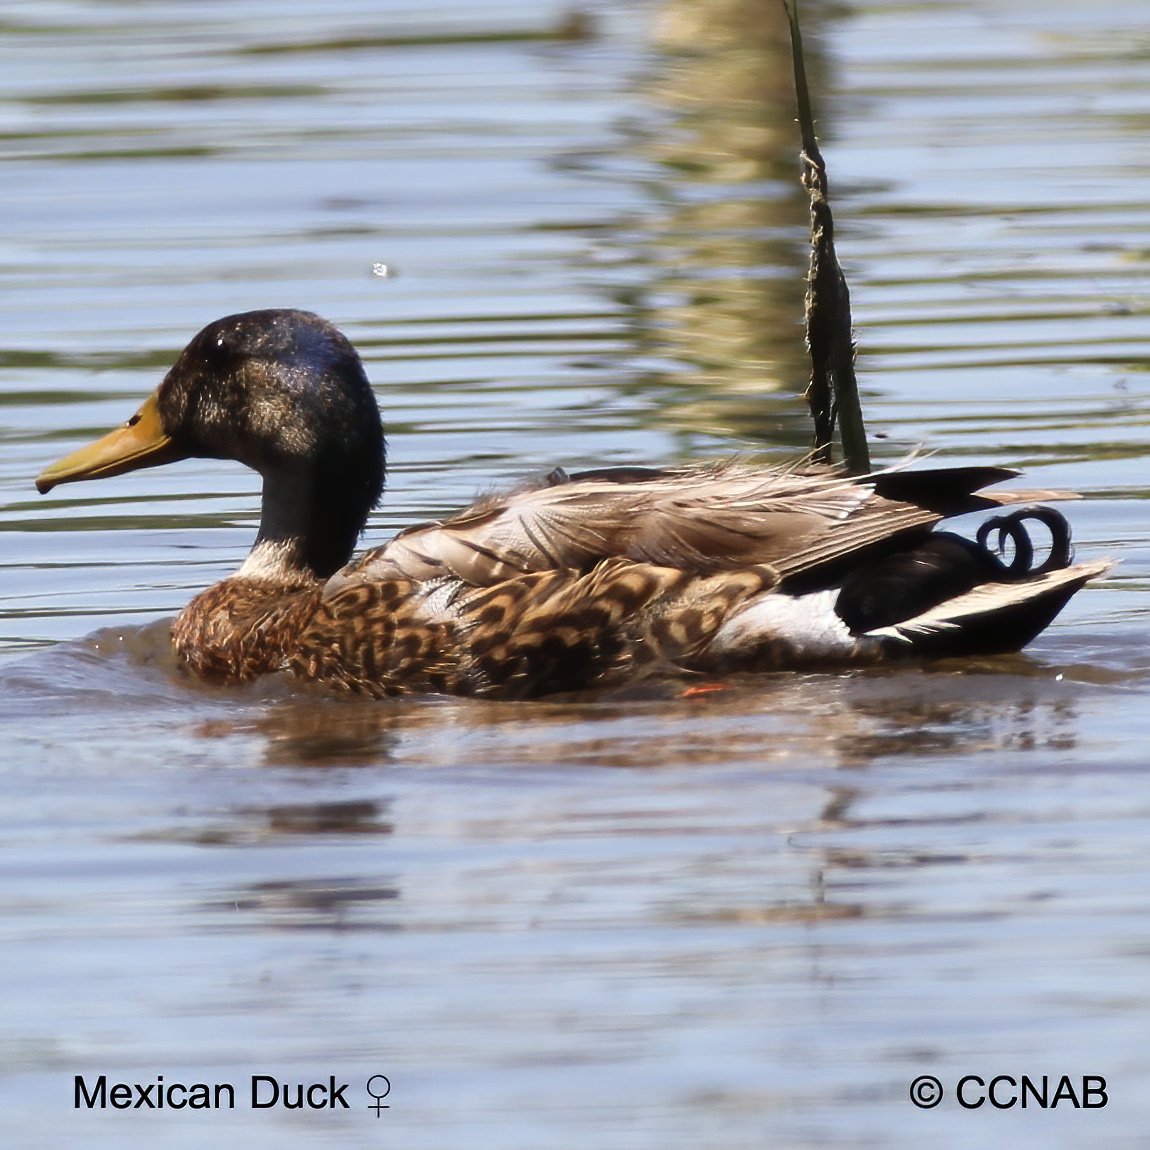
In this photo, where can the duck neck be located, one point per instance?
(306, 532)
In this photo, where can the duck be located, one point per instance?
(572, 580)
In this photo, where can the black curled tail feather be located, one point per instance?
(944, 565)
(1011, 528)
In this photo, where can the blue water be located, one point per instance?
(740, 919)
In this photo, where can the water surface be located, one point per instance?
(738, 919)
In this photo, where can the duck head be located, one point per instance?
(283, 392)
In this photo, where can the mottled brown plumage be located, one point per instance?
(578, 580)
(540, 632)
(236, 628)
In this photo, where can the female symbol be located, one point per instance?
(379, 1087)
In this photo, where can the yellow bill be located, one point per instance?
(141, 442)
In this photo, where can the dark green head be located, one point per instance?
(282, 391)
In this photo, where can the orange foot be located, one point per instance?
(703, 689)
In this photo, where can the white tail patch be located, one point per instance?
(806, 623)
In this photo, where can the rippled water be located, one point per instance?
(742, 919)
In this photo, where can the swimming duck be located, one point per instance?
(576, 580)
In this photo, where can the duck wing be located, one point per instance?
(701, 519)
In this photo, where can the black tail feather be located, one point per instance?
(1011, 529)
(945, 565)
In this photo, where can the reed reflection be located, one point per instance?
(335, 903)
(726, 238)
